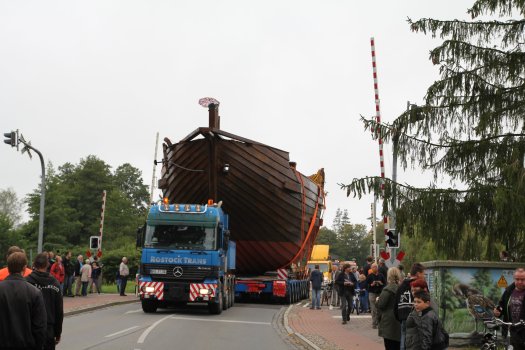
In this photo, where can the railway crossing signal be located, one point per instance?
(392, 238)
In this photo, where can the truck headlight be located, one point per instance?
(149, 289)
(325, 279)
(204, 291)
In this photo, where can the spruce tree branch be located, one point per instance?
(466, 23)
(372, 124)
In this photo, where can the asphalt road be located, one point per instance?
(245, 326)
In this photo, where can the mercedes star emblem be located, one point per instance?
(177, 271)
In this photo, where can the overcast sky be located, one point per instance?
(103, 77)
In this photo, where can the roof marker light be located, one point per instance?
(177, 207)
(187, 207)
(210, 201)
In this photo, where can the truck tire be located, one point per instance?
(149, 306)
(216, 308)
(232, 298)
(225, 300)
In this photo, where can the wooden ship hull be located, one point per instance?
(275, 212)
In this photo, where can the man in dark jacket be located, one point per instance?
(375, 282)
(511, 307)
(368, 265)
(316, 278)
(78, 265)
(50, 288)
(346, 282)
(335, 288)
(383, 269)
(69, 270)
(404, 299)
(22, 310)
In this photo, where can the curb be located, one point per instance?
(299, 335)
(96, 307)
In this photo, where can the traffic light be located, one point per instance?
(94, 242)
(392, 238)
(11, 138)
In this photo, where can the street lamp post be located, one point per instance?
(14, 140)
(42, 200)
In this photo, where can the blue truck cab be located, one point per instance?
(187, 257)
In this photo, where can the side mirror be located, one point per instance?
(226, 240)
(140, 236)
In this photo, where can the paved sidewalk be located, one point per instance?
(323, 328)
(94, 301)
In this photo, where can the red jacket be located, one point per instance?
(57, 270)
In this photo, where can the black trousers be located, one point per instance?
(517, 344)
(391, 344)
(123, 282)
(50, 338)
(346, 305)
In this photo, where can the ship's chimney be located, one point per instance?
(215, 120)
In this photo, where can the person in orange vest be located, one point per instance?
(5, 272)
(22, 310)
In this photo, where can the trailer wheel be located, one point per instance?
(225, 299)
(149, 306)
(231, 295)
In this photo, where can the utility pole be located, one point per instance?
(374, 229)
(152, 188)
(14, 140)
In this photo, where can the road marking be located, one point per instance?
(225, 321)
(132, 311)
(356, 316)
(120, 332)
(150, 328)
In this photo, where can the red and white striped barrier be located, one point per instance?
(378, 121)
(158, 289)
(195, 289)
(282, 274)
(99, 253)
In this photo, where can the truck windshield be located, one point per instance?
(180, 237)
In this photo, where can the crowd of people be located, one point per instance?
(31, 295)
(400, 306)
(31, 304)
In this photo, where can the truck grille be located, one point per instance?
(171, 272)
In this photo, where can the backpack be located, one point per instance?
(441, 338)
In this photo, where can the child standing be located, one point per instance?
(424, 330)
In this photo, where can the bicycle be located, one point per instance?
(490, 339)
(326, 294)
(356, 303)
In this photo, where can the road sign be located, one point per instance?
(502, 282)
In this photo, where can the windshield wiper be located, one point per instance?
(166, 250)
(200, 252)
